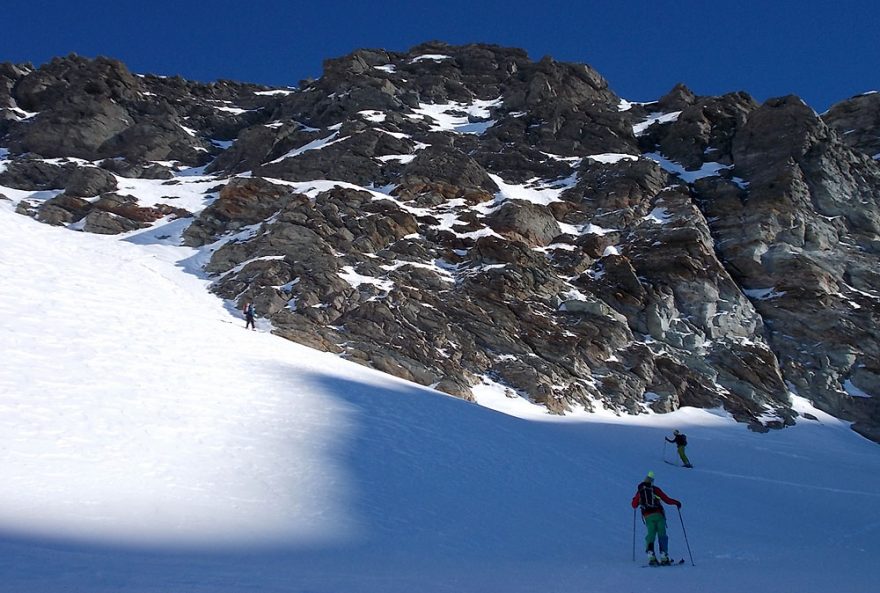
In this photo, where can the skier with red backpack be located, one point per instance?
(649, 498)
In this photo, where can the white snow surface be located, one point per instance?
(275, 92)
(228, 107)
(455, 117)
(372, 115)
(659, 215)
(152, 444)
(611, 250)
(536, 191)
(612, 157)
(763, 294)
(316, 144)
(854, 391)
(354, 279)
(430, 57)
(710, 169)
(21, 114)
(655, 118)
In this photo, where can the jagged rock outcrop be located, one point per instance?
(702, 131)
(462, 214)
(96, 109)
(89, 182)
(111, 214)
(802, 239)
(857, 122)
(35, 174)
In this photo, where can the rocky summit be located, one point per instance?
(458, 215)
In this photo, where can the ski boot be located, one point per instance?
(664, 559)
(652, 559)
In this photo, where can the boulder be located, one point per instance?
(89, 181)
(106, 223)
(62, 210)
(530, 223)
(36, 175)
(242, 202)
(447, 165)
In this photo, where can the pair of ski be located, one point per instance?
(677, 464)
(661, 565)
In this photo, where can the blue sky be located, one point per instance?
(820, 50)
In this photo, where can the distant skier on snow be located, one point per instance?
(249, 313)
(681, 441)
(648, 498)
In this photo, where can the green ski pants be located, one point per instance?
(684, 458)
(656, 524)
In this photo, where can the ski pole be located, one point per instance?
(684, 531)
(634, 535)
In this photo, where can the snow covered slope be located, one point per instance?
(149, 443)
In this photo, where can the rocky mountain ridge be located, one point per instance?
(463, 214)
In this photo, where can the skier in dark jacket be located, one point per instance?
(648, 497)
(249, 313)
(681, 441)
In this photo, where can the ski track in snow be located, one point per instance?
(151, 444)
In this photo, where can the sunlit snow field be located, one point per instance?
(149, 443)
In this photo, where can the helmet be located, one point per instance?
(675, 431)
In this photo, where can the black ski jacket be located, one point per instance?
(679, 440)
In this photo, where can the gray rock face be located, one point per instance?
(62, 210)
(110, 214)
(703, 131)
(529, 223)
(79, 106)
(241, 202)
(96, 109)
(36, 175)
(857, 122)
(795, 240)
(145, 170)
(89, 182)
(103, 222)
(457, 215)
(448, 166)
